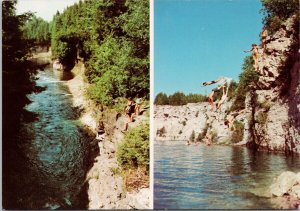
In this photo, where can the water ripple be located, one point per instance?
(216, 177)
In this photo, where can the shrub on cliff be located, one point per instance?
(202, 135)
(247, 77)
(192, 136)
(133, 152)
(133, 157)
(238, 133)
(277, 11)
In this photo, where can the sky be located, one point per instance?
(201, 40)
(45, 9)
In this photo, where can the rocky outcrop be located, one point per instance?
(275, 100)
(287, 183)
(272, 115)
(287, 186)
(105, 186)
(179, 122)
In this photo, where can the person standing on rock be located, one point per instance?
(129, 111)
(263, 36)
(255, 55)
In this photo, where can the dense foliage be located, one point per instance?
(178, 98)
(38, 30)
(133, 152)
(277, 11)
(16, 83)
(112, 37)
(247, 78)
(16, 75)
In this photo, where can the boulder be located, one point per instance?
(284, 183)
(295, 191)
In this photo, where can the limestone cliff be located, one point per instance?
(179, 122)
(105, 187)
(273, 105)
(271, 120)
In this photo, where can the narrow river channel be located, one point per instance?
(49, 164)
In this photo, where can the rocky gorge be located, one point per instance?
(105, 187)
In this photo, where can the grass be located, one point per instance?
(262, 118)
(135, 179)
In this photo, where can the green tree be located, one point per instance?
(112, 38)
(38, 30)
(247, 78)
(277, 11)
(161, 99)
(178, 98)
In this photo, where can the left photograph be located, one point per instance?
(75, 104)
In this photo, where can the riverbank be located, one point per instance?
(105, 186)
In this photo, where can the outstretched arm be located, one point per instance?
(248, 50)
(212, 82)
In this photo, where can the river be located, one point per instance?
(46, 163)
(215, 177)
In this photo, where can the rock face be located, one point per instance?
(287, 186)
(275, 102)
(272, 115)
(105, 187)
(179, 122)
(287, 183)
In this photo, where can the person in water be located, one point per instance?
(255, 55)
(211, 96)
(129, 111)
(230, 119)
(263, 36)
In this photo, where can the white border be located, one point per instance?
(151, 104)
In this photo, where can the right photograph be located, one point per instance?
(227, 104)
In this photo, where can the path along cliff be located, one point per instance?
(105, 187)
(271, 121)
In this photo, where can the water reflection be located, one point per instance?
(217, 177)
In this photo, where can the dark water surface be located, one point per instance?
(215, 177)
(46, 165)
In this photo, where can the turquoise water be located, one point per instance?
(46, 164)
(215, 177)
